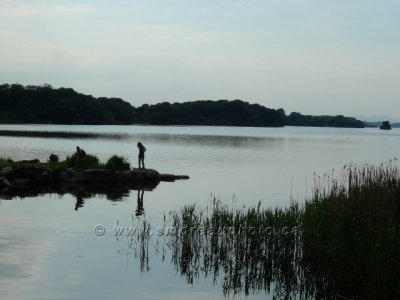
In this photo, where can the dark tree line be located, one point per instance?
(297, 119)
(206, 112)
(43, 104)
(47, 105)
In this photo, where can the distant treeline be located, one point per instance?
(377, 124)
(47, 105)
(297, 119)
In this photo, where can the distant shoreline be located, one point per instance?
(64, 106)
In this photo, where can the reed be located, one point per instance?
(351, 231)
(343, 242)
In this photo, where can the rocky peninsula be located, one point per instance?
(24, 177)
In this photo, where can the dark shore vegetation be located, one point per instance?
(343, 243)
(297, 119)
(114, 163)
(47, 105)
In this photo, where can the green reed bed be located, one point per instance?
(350, 232)
(341, 243)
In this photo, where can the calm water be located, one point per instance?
(48, 250)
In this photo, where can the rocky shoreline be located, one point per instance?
(15, 178)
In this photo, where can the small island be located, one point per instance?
(85, 170)
(385, 126)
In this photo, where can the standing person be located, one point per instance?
(142, 149)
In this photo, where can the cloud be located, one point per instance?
(26, 10)
(201, 11)
(240, 4)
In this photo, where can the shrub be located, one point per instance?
(6, 160)
(117, 163)
(86, 162)
(53, 158)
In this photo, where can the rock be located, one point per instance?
(6, 171)
(22, 183)
(4, 183)
(99, 175)
(170, 177)
(145, 175)
(44, 176)
(137, 175)
(151, 175)
(26, 172)
(72, 176)
(47, 169)
(167, 177)
(123, 176)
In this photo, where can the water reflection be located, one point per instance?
(139, 210)
(242, 261)
(211, 140)
(79, 201)
(61, 134)
(112, 191)
(164, 138)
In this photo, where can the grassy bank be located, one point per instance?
(342, 243)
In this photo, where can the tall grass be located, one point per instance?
(347, 243)
(351, 231)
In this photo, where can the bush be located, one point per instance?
(6, 160)
(53, 158)
(86, 162)
(117, 163)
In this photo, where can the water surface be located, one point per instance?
(48, 249)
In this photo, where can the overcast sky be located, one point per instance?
(311, 56)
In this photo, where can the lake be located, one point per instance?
(48, 247)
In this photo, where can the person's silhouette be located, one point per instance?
(140, 209)
(142, 149)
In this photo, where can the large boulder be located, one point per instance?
(22, 183)
(43, 177)
(151, 175)
(137, 175)
(4, 183)
(71, 176)
(123, 176)
(145, 175)
(98, 175)
(6, 171)
(47, 169)
(26, 172)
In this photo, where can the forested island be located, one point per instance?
(47, 105)
(380, 123)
